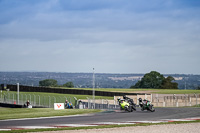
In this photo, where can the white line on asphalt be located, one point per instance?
(114, 123)
(33, 127)
(147, 121)
(74, 125)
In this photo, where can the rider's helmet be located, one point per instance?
(118, 99)
(140, 99)
(124, 97)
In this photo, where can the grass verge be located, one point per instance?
(100, 127)
(17, 113)
(198, 105)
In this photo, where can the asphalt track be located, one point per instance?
(112, 116)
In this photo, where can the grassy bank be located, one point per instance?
(17, 113)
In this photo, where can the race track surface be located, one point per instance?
(113, 116)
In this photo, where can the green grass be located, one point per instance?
(196, 106)
(100, 127)
(17, 113)
(62, 95)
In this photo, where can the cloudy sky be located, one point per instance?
(113, 36)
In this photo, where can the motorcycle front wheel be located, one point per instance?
(151, 108)
(128, 108)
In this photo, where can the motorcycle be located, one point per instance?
(127, 104)
(146, 105)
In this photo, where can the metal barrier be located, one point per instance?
(100, 104)
(35, 100)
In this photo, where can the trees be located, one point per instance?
(156, 80)
(68, 84)
(168, 84)
(48, 82)
(150, 80)
(54, 83)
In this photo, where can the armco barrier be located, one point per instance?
(1, 86)
(10, 105)
(65, 91)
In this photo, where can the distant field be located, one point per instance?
(177, 91)
(104, 89)
(159, 91)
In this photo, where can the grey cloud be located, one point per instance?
(110, 40)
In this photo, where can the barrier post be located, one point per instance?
(49, 101)
(157, 99)
(39, 100)
(34, 100)
(174, 100)
(1, 95)
(185, 100)
(17, 93)
(164, 102)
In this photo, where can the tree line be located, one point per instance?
(54, 83)
(153, 80)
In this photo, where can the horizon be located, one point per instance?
(98, 72)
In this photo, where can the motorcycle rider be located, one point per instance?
(27, 103)
(143, 101)
(66, 104)
(146, 101)
(128, 99)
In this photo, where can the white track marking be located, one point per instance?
(177, 120)
(147, 121)
(5, 129)
(33, 127)
(114, 123)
